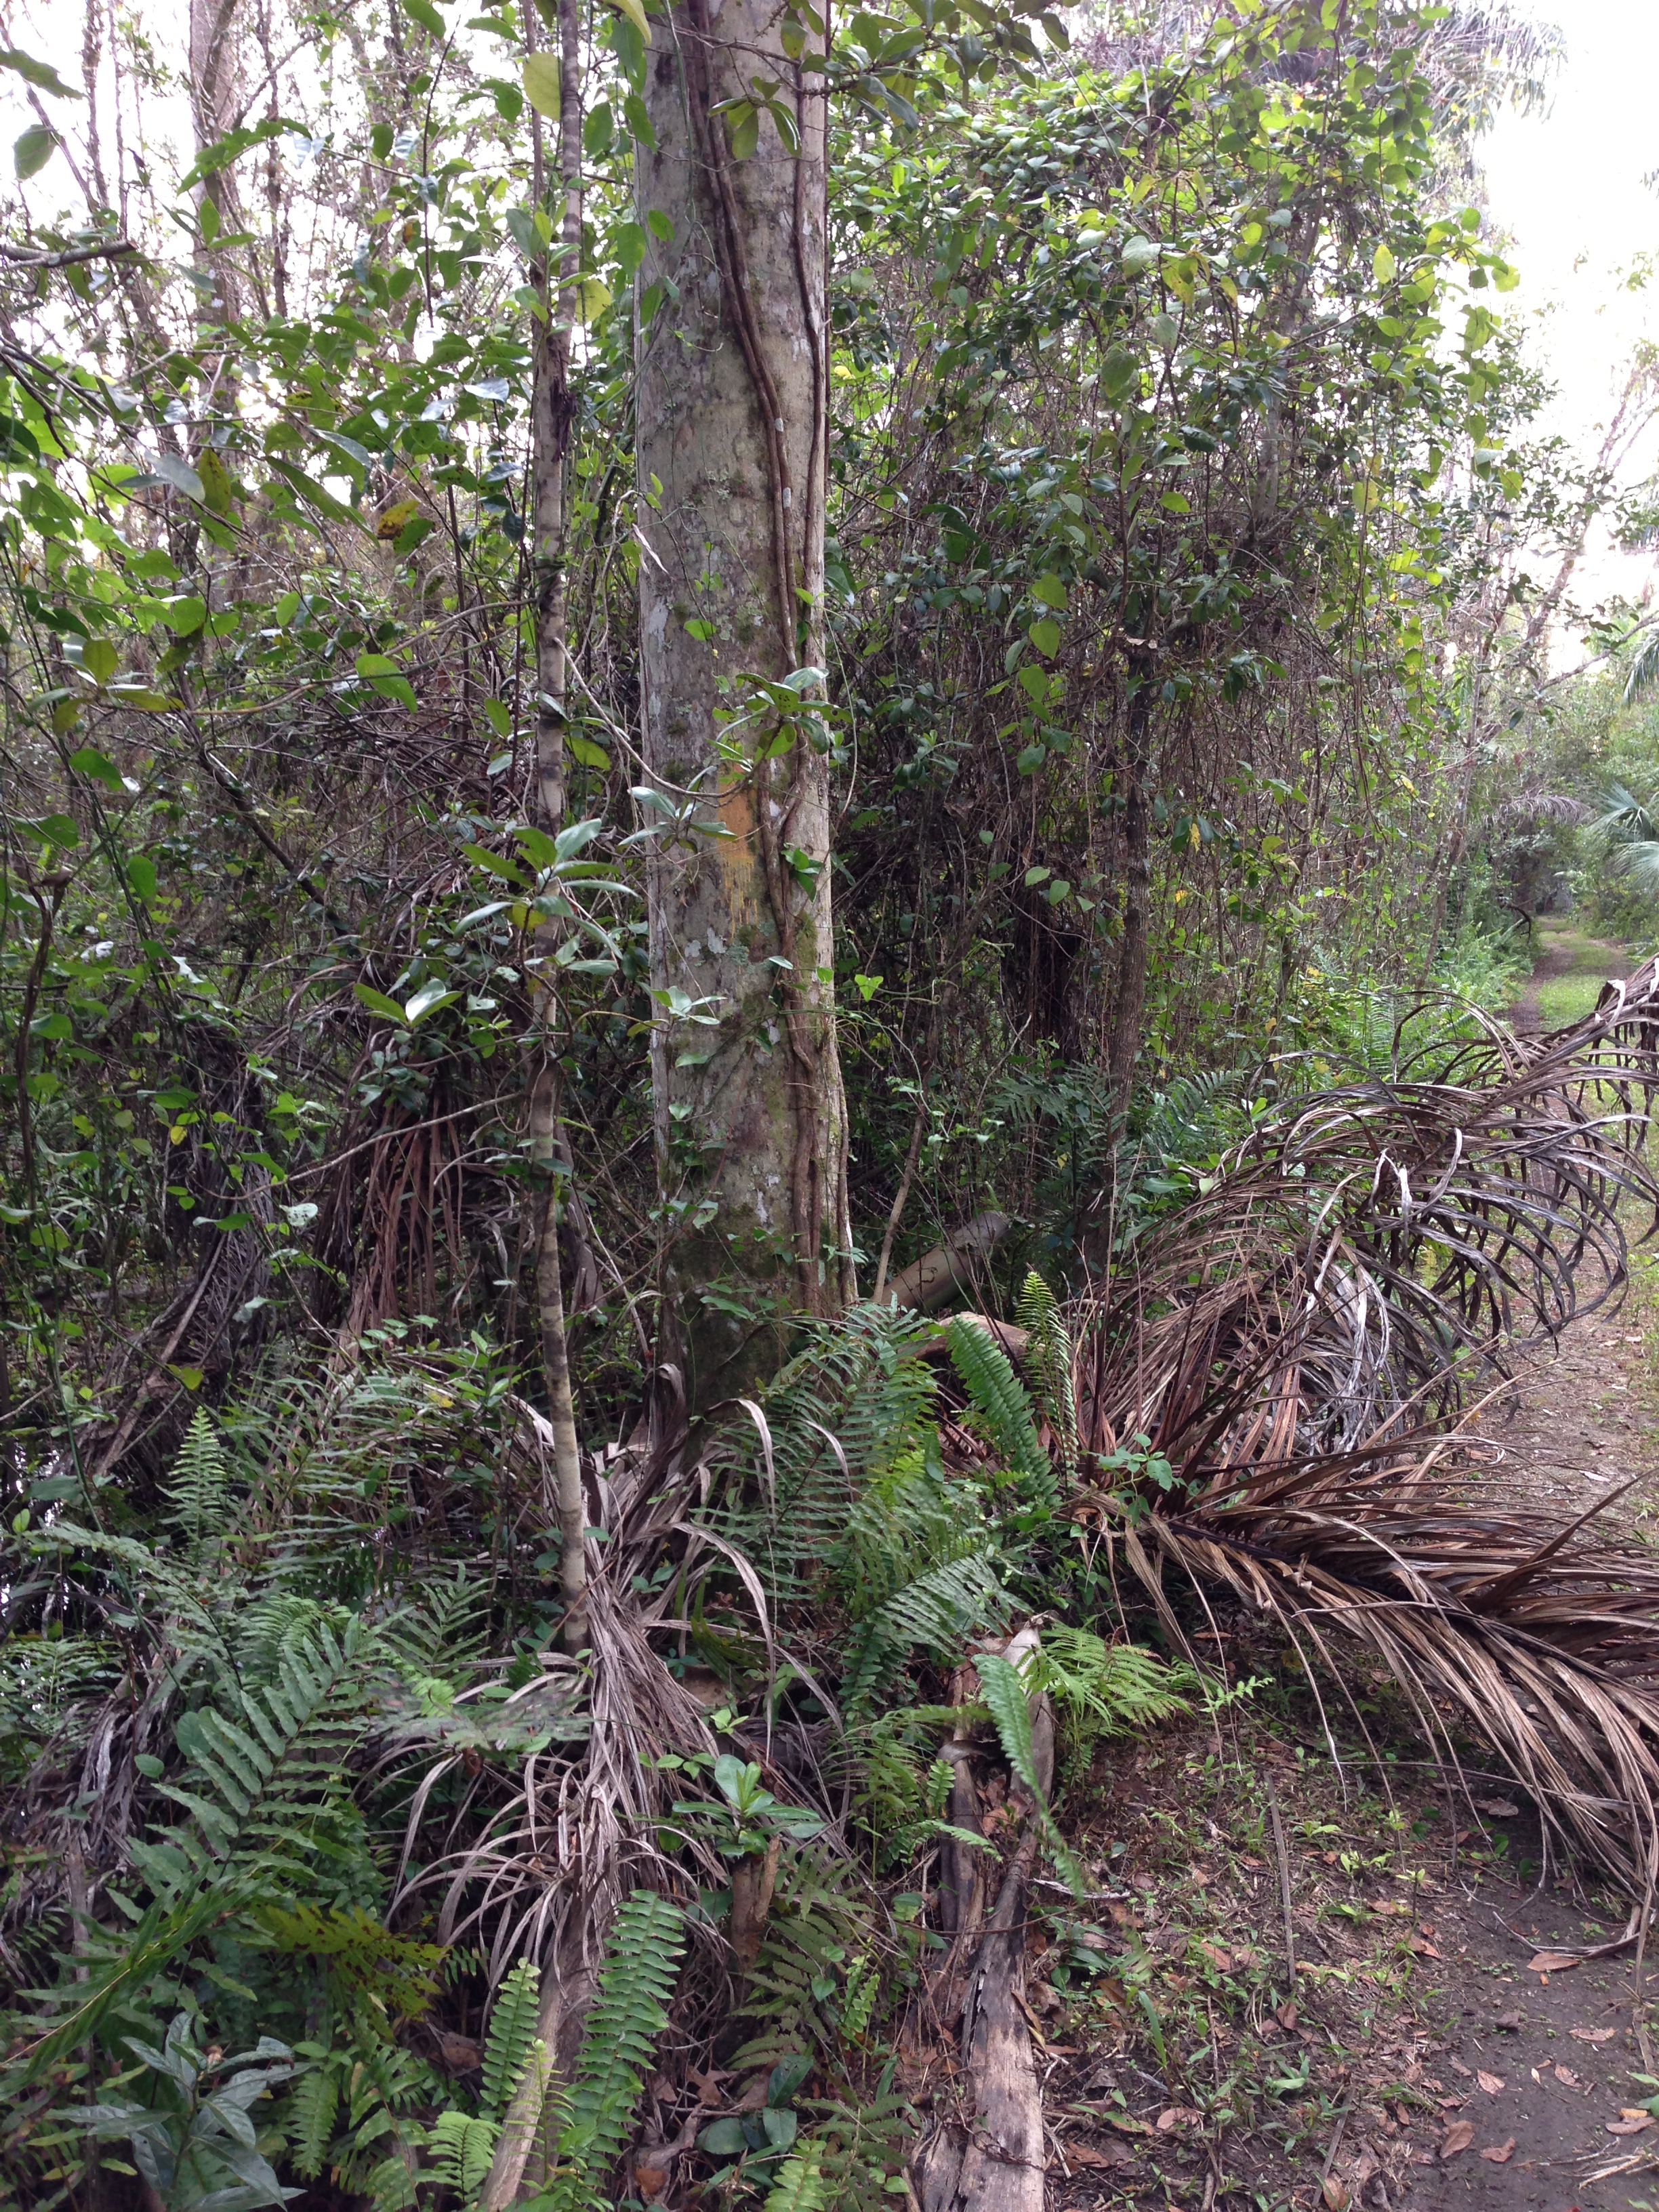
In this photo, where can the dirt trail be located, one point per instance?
(1565, 953)
(1421, 2063)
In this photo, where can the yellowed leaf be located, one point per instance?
(541, 84)
(635, 15)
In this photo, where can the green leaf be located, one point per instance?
(1045, 635)
(178, 471)
(1004, 1692)
(541, 84)
(31, 153)
(635, 15)
(184, 615)
(1119, 373)
(1050, 592)
(141, 875)
(1382, 265)
(423, 13)
(584, 750)
(90, 761)
(41, 74)
(743, 128)
(427, 1001)
(378, 1003)
(100, 658)
(50, 829)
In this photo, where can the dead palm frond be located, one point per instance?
(1275, 1391)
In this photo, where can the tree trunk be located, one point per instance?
(751, 1119)
(551, 426)
(1131, 1000)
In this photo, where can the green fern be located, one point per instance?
(815, 1923)
(312, 2109)
(461, 2147)
(1002, 1403)
(1102, 1689)
(396, 1973)
(918, 1570)
(618, 2045)
(198, 1490)
(1048, 1364)
(512, 2031)
(263, 1782)
(1003, 1688)
(800, 2187)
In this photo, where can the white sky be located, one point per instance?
(1567, 187)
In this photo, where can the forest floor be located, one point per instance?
(1421, 2059)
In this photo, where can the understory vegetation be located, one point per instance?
(562, 1631)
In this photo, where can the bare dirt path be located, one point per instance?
(1566, 977)
(1420, 2062)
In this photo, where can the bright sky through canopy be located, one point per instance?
(1567, 185)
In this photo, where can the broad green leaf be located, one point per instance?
(31, 153)
(41, 74)
(1382, 265)
(541, 84)
(218, 485)
(635, 15)
(184, 615)
(1045, 635)
(141, 875)
(88, 761)
(173, 468)
(100, 658)
(378, 1003)
(592, 297)
(584, 750)
(423, 13)
(49, 829)
(1050, 592)
(427, 1001)
(1119, 373)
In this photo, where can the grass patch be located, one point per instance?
(1582, 966)
(1567, 999)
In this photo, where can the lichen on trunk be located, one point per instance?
(750, 1121)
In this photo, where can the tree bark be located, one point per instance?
(751, 1119)
(1131, 1000)
(550, 427)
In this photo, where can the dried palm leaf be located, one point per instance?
(1275, 1391)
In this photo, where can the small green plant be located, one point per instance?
(192, 2138)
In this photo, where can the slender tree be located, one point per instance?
(751, 1121)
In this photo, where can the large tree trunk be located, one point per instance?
(751, 1120)
(1131, 1000)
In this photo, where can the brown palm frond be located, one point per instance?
(1275, 1387)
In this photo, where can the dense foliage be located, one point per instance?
(1175, 450)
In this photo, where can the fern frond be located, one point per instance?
(316, 2100)
(1000, 1399)
(461, 2146)
(618, 2044)
(800, 2187)
(512, 2031)
(1048, 1363)
(935, 1612)
(1003, 1688)
(198, 1489)
(1101, 1688)
(265, 1770)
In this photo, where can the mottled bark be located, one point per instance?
(1130, 1002)
(550, 425)
(751, 1129)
